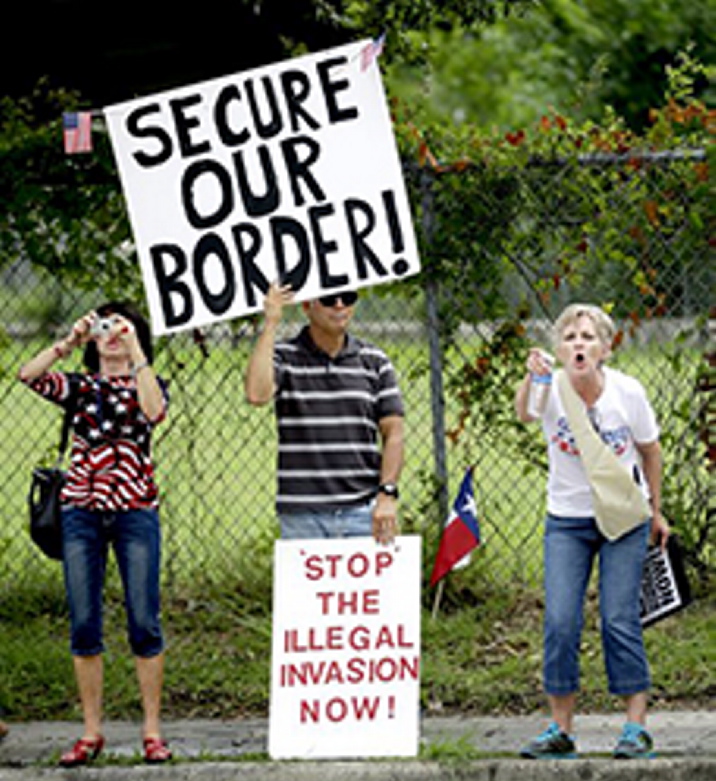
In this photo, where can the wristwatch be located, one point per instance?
(389, 489)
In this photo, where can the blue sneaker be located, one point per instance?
(634, 743)
(551, 744)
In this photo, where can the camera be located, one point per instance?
(102, 326)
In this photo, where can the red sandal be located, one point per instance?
(156, 751)
(83, 752)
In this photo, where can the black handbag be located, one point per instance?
(44, 497)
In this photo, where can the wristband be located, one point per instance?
(139, 367)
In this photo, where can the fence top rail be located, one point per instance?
(597, 159)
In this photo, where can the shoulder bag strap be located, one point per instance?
(619, 504)
(588, 441)
(67, 418)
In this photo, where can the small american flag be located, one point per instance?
(371, 52)
(77, 131)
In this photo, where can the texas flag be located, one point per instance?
(461, 532)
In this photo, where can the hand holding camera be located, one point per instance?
(102, 326)
(92, 326)
(80, 334)
(112, 325)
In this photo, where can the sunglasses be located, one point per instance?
(348, 298)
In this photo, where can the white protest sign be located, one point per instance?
(345, 667)
(287, 172)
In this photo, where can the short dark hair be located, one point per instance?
(140, 323)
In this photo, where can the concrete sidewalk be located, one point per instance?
(686, 744)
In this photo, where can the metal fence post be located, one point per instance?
(437, 395)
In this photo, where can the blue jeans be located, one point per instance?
(135, 536)
(570, 546)
(349, 522)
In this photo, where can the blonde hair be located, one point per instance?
(603, 324)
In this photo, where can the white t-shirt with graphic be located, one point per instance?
(622, 416)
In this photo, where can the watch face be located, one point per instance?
(389, 489)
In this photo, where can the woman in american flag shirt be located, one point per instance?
(110, 499)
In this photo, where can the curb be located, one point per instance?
(488, 770)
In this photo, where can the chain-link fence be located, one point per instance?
(503, 252)
(627, 232)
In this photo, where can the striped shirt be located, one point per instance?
(328, 412)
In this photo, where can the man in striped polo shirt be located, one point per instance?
(340, 421)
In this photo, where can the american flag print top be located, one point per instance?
(110, 463)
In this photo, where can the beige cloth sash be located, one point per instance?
(619, 504)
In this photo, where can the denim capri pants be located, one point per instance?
(570, 547)
(135, 536)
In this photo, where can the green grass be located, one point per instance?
(481, 658)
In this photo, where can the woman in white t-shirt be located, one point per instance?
(619, 411)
